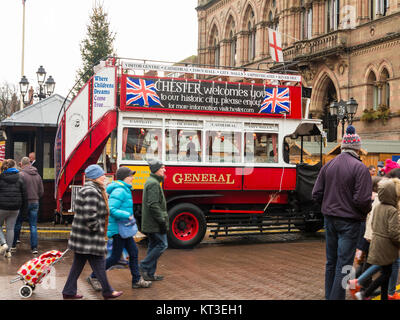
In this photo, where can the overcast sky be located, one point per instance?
(151, 29)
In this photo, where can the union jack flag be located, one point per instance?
(141, 92)
(276, 100)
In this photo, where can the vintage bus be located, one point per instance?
(240, 158)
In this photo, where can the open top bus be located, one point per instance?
(234, 150)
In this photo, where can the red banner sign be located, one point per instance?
(139, 93)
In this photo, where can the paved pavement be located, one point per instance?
(271, 267)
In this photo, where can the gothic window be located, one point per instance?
(378, 8)
(372, 92)
(232, 40)
(372, 9)
(216, 52)
(309, 23)
(303, 24)
(273, 22)
(384, 89)
(251, 28)
(215, 49)
(332, 15)
(233, 53)
(270, 17)
(306, 23)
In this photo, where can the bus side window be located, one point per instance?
(261, 147)
(223, 146)
(183, 145)
(141, 143)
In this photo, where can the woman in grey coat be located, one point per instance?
(88, 233)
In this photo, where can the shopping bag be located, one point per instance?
(127, 228)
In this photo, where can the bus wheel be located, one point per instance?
(187, 226)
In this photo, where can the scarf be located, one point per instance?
(352, 152)
(105, 197)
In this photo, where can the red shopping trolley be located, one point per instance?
(33, 271)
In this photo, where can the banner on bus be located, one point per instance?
(209, 71)
(184, 95)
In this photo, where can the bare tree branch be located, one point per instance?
(8, 100)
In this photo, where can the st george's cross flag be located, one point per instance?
(142, 93)
(276, 101)
(275, 45)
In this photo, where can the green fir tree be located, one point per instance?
(97, 45)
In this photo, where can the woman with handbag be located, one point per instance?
(122, 226)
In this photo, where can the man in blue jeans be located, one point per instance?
(155, 221)
(344, 187)
(34, 188)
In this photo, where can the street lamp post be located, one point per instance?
(46, 87)
(344, 111)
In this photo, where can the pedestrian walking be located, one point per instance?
(385, 243)
(364, 271)
(34, 190)
(13, 198)
(344, 189)
(154, 221)
(364, 279)
(88, 232)
(364, 238)
(121, 212)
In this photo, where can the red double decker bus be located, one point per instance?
(240, 158)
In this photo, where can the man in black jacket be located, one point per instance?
(344, 187)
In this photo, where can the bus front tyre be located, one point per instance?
(187, 226)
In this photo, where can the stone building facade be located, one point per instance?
(342, 48)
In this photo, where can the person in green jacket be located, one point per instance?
(155, 221)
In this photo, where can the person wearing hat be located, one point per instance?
(88, 233)
(121, 209)
(380, 167)
(389, 166)
(155, 220)
(344, 188)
